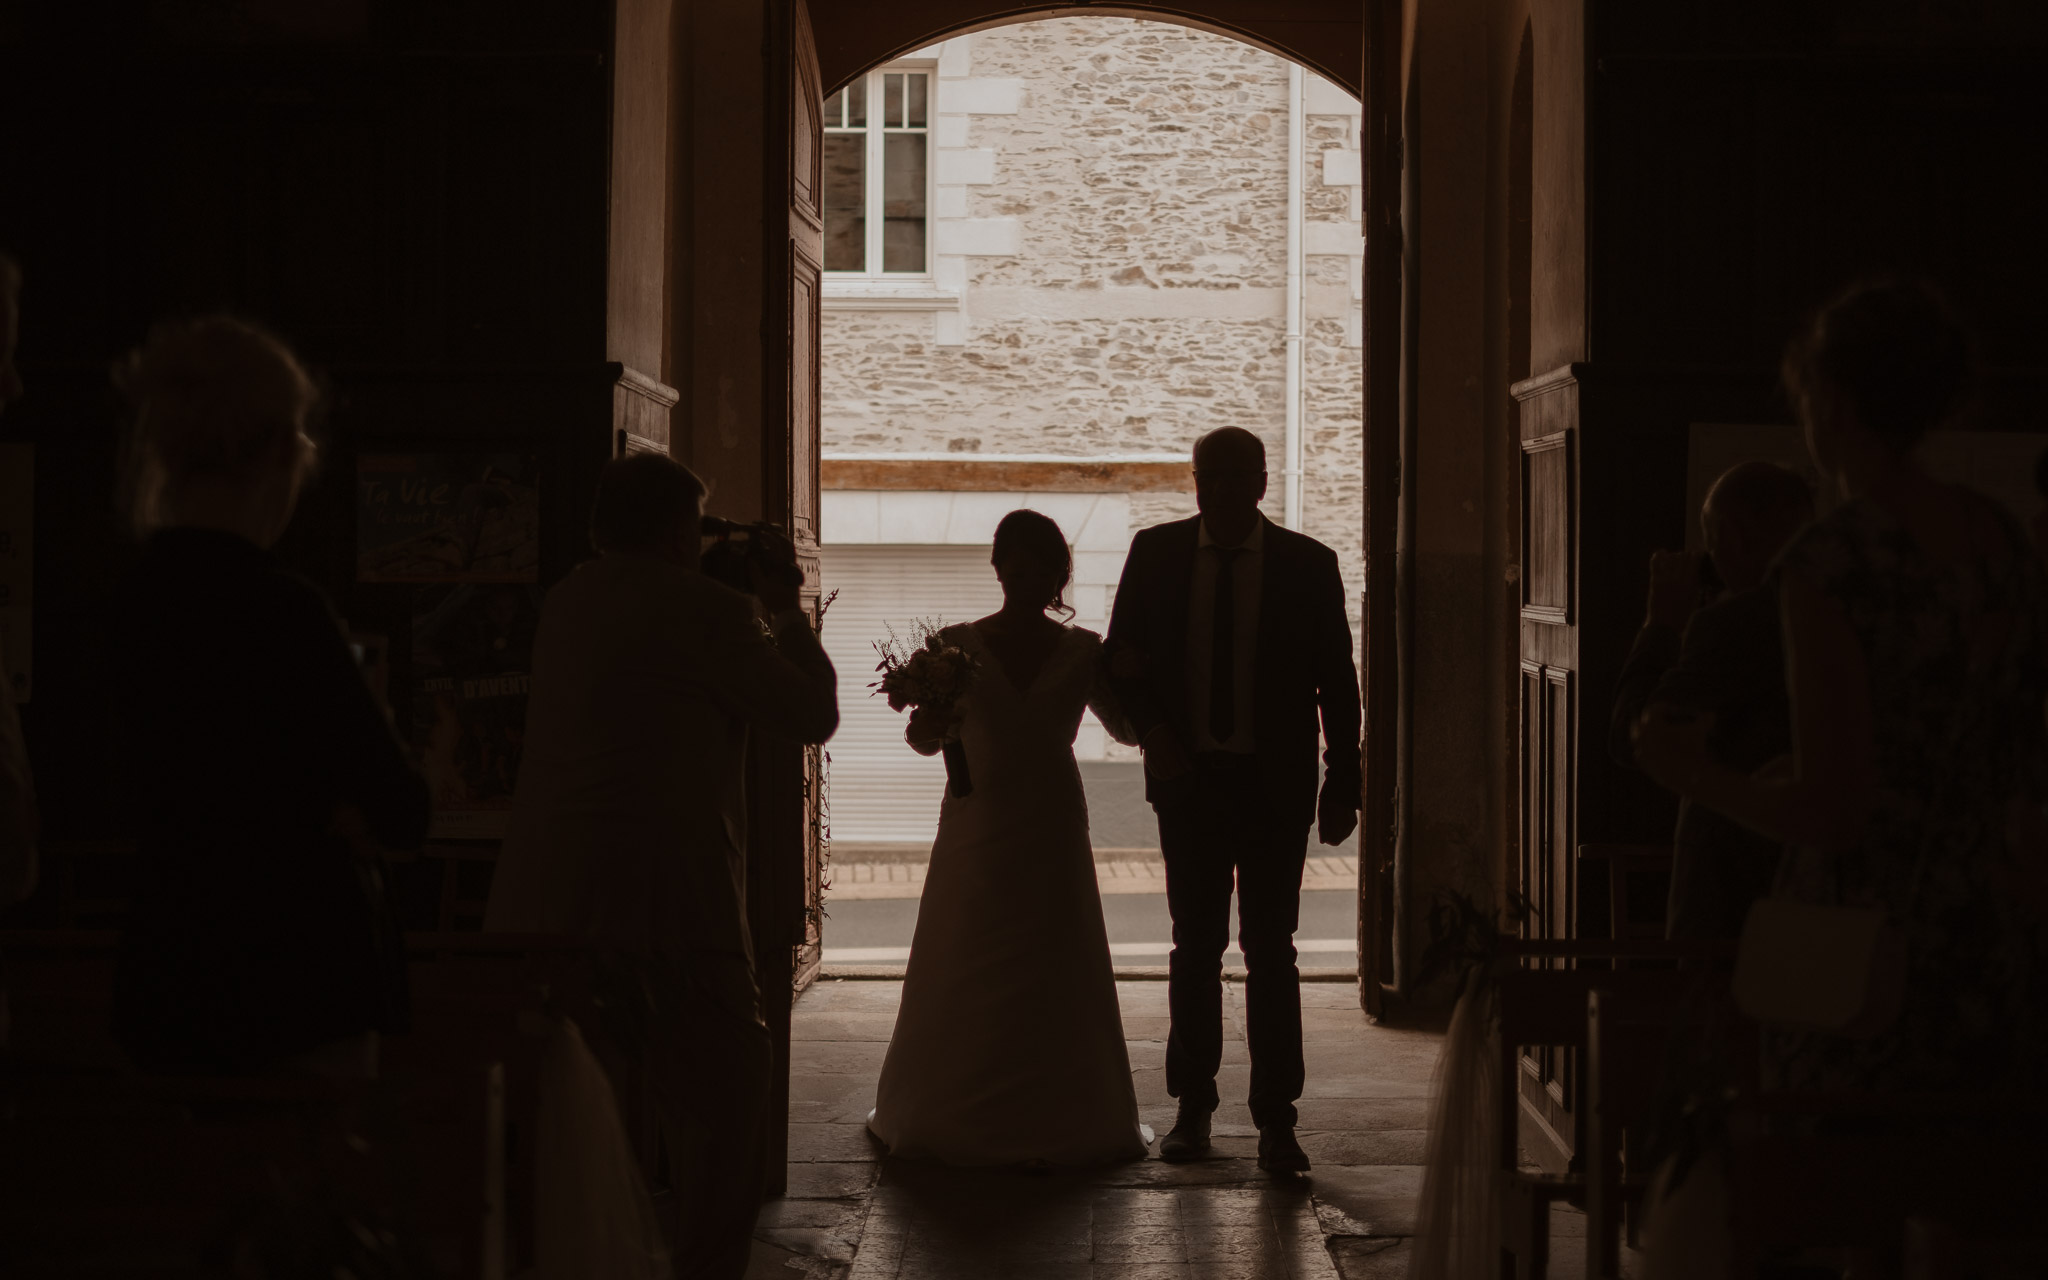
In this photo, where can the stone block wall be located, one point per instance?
(1110, 267)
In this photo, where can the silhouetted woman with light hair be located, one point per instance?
(267, 774)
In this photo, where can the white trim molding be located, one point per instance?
(1097, 525)
(856, 455)
(873, 295)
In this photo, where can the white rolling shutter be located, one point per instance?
(882, 791)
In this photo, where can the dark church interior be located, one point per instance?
(1633, 269)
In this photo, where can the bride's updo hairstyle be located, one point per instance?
(214, 399)
(1034, 535)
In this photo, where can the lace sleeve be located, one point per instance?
(1103, 702)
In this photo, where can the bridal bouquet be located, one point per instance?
(928, 670)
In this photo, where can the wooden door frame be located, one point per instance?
(785, 784)
(1380, 817)
(1384, 54)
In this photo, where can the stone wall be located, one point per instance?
(1111, 266)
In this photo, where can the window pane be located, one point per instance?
(835, 108)
(857, 102)
(903, 219)
(917, 107)
(892, 100)
(846, 213)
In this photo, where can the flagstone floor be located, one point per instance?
(850, 1215)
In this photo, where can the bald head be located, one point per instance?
(1230, 480)
(1230, 449)
(1751, 512)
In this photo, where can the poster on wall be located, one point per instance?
(447, 517)
(17, 563)
(472, 660)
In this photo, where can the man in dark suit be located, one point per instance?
(1726, 660)
(1228, 642)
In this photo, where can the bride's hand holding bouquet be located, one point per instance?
(930, 674)
(931, 728)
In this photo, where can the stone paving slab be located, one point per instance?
(853, 1215)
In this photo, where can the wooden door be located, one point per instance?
(1378, 833)
(785, 845)
(1546, 873)
(797, 471)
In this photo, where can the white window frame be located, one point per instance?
(920, 282)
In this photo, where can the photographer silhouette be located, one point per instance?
(629, 825)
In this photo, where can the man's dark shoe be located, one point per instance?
(1279, 1152)
(1190, 1137)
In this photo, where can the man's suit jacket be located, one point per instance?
(1304, 670)
(1730, 662)
(629, 823)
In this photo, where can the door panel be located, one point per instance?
(1548, 740)
(785, 782)
(806, 273)
(1534, 798)
(1546, 529)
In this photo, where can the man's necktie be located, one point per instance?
(1223, 648)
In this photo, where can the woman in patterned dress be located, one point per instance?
(1915, 618)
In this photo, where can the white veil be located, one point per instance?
(593, 1216)
(1457, 1229)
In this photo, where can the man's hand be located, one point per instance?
(1674, 588)
(776, 595)
(1165, 757)
(1336, 816)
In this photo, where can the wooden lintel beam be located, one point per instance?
(988, 475)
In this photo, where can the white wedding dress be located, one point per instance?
(1009, 1047)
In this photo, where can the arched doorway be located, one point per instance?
(1323, 35)
(741, 342)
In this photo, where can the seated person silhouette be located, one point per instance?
(1726, 659)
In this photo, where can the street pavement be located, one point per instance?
(869, 931)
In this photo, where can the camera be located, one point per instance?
(734, 549)
(1710, 582)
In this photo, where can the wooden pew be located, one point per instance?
(1628, 1046)
(1638, 880)
(490, 997)
(118, 1174)
(455, 1105)
(1546, 1007)
(1843, 1172)
(1937, 1248)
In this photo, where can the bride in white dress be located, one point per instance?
(1009, 1047)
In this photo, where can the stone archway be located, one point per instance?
(1330, 38)
(1323, 35)
(724, 233)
